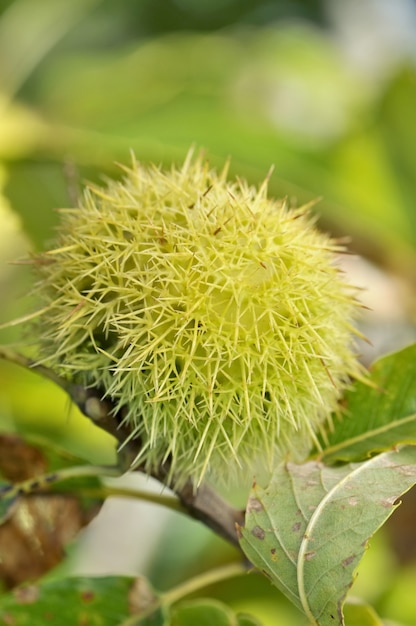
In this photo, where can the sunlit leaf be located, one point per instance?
(40, 412)
(247, 620)
(381, 416)
(309, 528)
(21, 130)
(399, 134)
(24, 42)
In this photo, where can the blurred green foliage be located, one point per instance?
(111, 78)
(84, 82)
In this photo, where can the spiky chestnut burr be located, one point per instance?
(214, 315)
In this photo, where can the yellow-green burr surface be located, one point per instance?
(215, 315)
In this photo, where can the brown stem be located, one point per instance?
(209, 508)
(203, 504)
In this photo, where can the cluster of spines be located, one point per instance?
(214, 315)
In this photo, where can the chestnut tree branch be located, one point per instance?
(203, 504)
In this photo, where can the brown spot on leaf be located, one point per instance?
(310, 555)
(26, 595)
(296, 527)
(258, 533)
(140, 596)
(87, 596)
(406, 470)
(349, 560)
(254, 504)
(387, 503)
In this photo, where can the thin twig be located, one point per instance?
(40, 482)
(231, 570)
(212, 577)
(169, 502)
(203, 504)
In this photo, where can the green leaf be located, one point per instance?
(378, 417)
(247, 620)
(105, 601)
(359, 614)
(208, 612)
(399, 136)
(309, 529)
(204, 613)
(24, 43)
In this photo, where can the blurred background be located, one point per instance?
(323, 90)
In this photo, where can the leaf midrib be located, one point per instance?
(390, 426)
